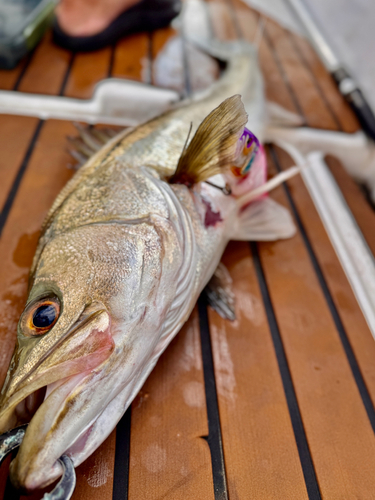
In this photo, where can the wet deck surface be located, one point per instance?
(278, 404)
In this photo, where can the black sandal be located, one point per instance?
(147, 15)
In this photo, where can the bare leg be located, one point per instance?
(89, 17)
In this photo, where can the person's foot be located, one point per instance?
(87, 25)
(89, 17)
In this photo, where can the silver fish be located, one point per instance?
(125, 251)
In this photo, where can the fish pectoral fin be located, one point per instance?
(89, 141)
(264, 220)
(214, 145)
(219, 293)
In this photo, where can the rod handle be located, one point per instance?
(357, 101)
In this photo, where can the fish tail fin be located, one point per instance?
(213, 148)
(224, 51)
(264, 220)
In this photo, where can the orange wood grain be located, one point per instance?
(361, 209)
(327, 85)
(15, 135)
(168, 458)
(275, 85)
(222, 20)
(45, 176)
(131, 58)
(87, 70)
(259, 444)
(354, 322)
(9, 77)
(310, 100)
(44, 74)
(47, 68)
(160, 38)
(47, 173)
(338, 431)
(94, 478)
(95, 475)
(159, 41)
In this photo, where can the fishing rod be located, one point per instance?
(346, 84)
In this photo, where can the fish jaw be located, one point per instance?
(89, 344)
(80, 412)
(82, 357)
(33, 468)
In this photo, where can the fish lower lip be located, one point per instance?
(11, 440)
(80, 443)
(25, 474)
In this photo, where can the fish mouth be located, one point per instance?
(45, 394)
(34, 467)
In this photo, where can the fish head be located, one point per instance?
(97, 303)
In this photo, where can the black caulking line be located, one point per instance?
(214, 438)
(111, 61)
(10, 493)
(210, 25)
(308, 469)
(149, 74)
(283, 74)
(185, 63)
(356, 371)
(24, 69)
(67, 73)
(21, 171)
(17, 181)
(122, 455)
(235, 21)
(316, 82)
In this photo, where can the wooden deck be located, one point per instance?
(280, 403)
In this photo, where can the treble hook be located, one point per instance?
(11, 440)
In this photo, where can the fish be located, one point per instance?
(124, 252)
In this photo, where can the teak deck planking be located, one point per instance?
(130, 56)
(279, 403)
(251, 395)
(337, 427)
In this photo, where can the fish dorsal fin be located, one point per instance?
(214, 145)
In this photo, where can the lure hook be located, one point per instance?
(11, 440)
(225, 190)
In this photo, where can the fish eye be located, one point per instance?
(40, 317)
(44, 316)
